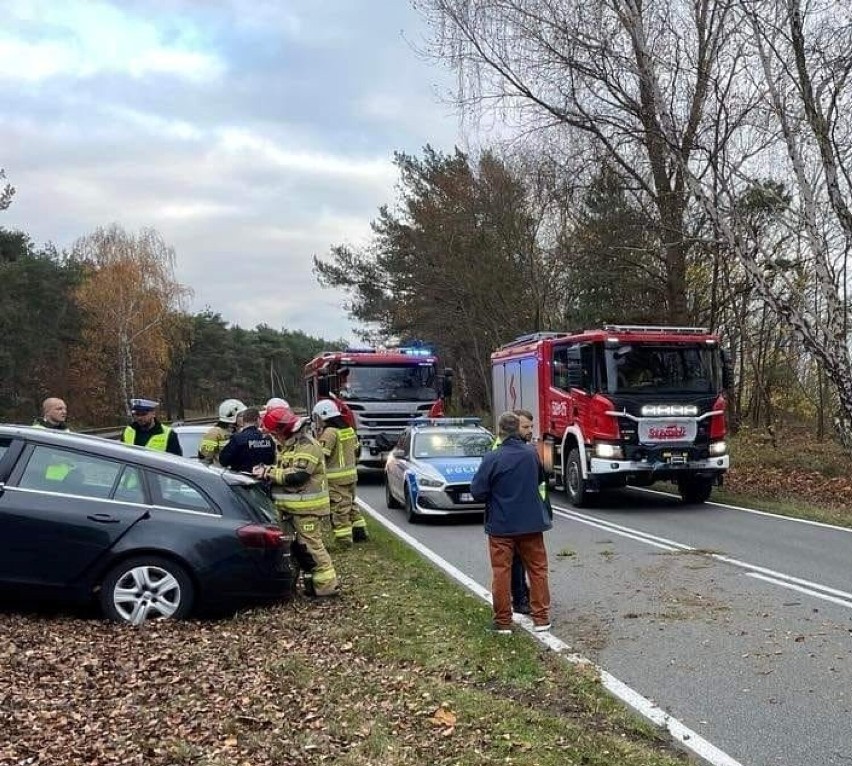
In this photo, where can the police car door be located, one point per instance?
(397, 465)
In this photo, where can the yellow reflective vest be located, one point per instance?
(301, 454)
(156, 442)
(339, 445)
(57, 471)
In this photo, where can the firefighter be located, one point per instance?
(147, 431)
(300, 492)
(217, 436)
(340, 446)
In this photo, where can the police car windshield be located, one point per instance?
(444, 444)
(391, 383)
(638, 368)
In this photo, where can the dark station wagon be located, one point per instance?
(144, 533)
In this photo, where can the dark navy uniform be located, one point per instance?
(247, 449)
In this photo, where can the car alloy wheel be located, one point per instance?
(145, 588)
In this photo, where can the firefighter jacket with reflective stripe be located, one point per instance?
(303, 454)
(212, 443)
(159, 437)
(339, 445)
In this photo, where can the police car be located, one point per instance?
(429, 471)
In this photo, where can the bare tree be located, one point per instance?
(798, 75)
(580, 65)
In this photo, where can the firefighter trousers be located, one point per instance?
(309, 535)
(346, 516)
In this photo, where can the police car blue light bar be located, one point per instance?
(446, 421)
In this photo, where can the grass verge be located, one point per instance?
(399, 670)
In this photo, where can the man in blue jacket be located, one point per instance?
(507, 481)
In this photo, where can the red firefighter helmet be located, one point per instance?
(281, 420)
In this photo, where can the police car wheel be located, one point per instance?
(410, 511)
(146, 588)
(390, 500)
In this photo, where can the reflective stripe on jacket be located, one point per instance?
(340, 445)
(212, 443)
(304, 454)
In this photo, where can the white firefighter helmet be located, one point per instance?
(229, 409)
(326, 409)
(276, 402)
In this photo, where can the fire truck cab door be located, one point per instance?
(574, 361)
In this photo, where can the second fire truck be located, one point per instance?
(620, 405)
(385, 388)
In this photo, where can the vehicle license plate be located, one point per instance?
(465, 497)
(675, 458)
(659, 431)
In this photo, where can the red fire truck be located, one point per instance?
(385, 388)
(624, 404)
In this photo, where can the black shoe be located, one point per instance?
(522, 608)
(359, 534)
(499, 629)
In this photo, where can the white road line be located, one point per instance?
(744, 509)
(800, 589)
(818, 590)
(642, 705)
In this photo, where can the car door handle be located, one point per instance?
(103, 518)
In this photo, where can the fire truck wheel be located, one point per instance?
(575, 484)
(410, 511)
(695, 490)
(390, 500)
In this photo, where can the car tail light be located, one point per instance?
(719, 423)
(261, 536)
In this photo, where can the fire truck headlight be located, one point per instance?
(609, 451)
(718, 448)
(428, 481)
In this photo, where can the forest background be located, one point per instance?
(680, 163)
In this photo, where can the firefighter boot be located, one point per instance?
(359, 534)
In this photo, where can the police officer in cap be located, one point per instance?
(249, 447)
(147, 431)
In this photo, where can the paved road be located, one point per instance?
(739, 624)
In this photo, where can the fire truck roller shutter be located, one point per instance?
(529, 392)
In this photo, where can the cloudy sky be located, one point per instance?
(251, 133)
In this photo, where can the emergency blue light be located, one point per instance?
(414, 351)
(446, 421)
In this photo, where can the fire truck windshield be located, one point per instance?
(417, 382)
(638, 368)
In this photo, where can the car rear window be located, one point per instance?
(172, 492)
(256, 498)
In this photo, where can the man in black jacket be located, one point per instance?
(515, 519)
(248, 447)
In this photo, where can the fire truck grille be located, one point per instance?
(382, 420)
